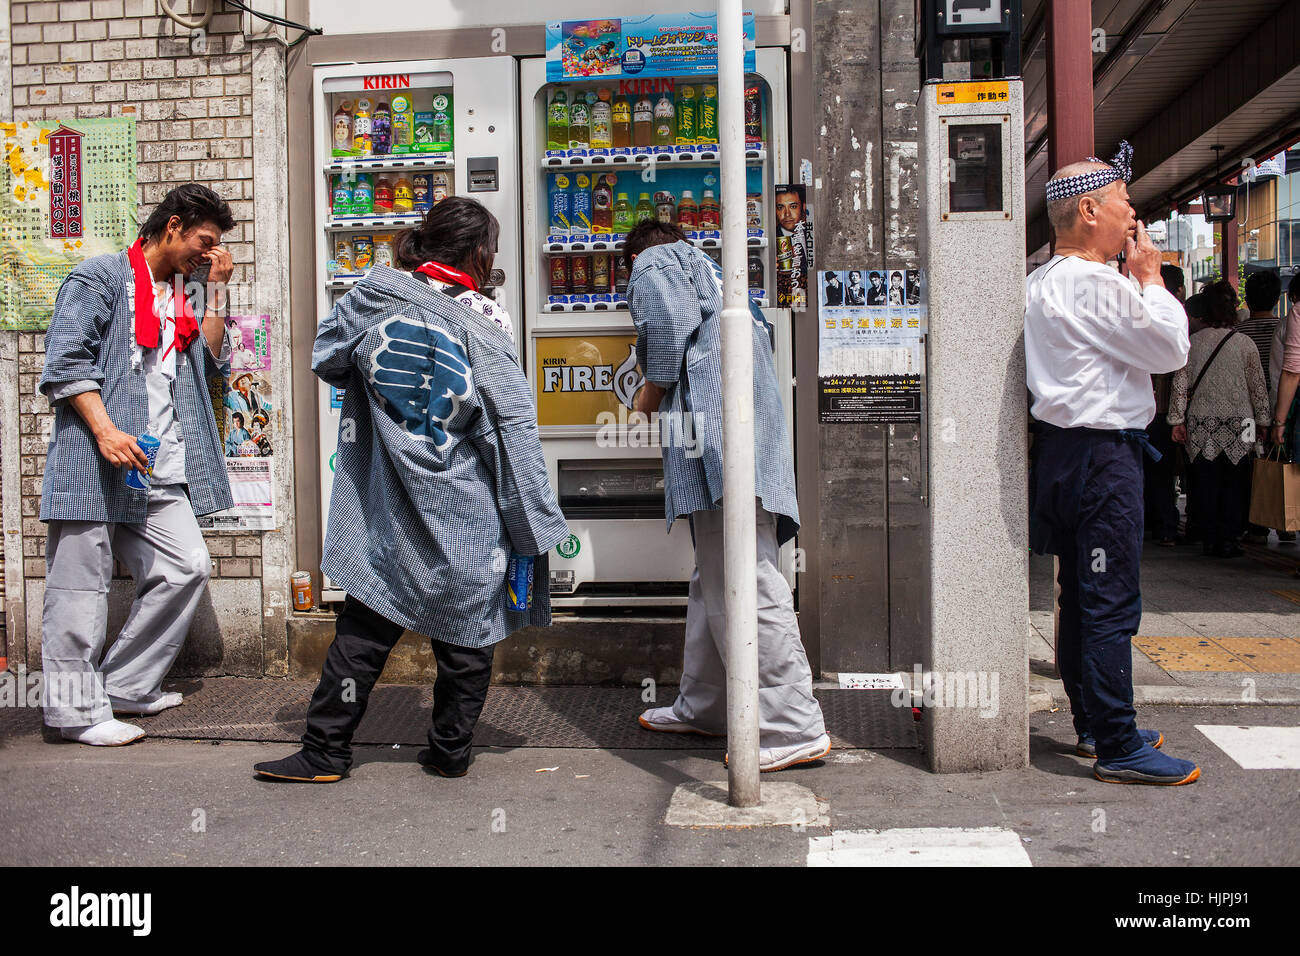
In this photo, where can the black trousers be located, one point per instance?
(1223, 492)
(363, 639)
(1161, 496)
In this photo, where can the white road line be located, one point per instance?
(919, 846)
(1257, 748)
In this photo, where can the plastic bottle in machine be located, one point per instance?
(686, 110)
(363, 195)
(707, 120)
(753, 114)
(644, 208)
(623, 220)
(579, 123)
(602, 120)
(381, 129)
(343, 128)
(441, 186)
(602, 205)
(600, 278)
(621, 115)
(643, 121)
(756, 286)
(710, 216)
(342, 196)
(580, 206)
(665, 207)
(361, 143)
(442, 122)
(403, 196)
(403, 123)
(557, 121)
(560, 205)
(665, 121)
(383, 199)
(421, 192)
(687, 212)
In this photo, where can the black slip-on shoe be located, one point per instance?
(297, 768)
(423, 759)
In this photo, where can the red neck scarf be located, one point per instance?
(146, 319)
(446, 274)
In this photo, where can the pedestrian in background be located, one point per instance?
(128, 354)
(1220, 390)
(1093, 338)
(675, 295)
(1161, 498)
(1263, 289)
(1287, 406)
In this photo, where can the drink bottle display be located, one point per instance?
(559, 275)
(579, 123)
(442, 122)
(602, 205)
(753, 115)
(580, 275)
(621, 273)
(441, 187)
(623, 221)
(383, 199)
(707, 121)
(600, 273)
(602, 121)
(381, 129)
(754, 210)
(342, 254)
(361, 144)
(403, 123)
(403, 196)
(643, 121)
(710, 216)
(384, 250)
(363, 252)
(665, 207)
(687, 212)
(343, 128)
(644, 208)
(421, 192)
(665, 122)
(580, 208)
(621, 117)
(755, 271)
(342, 196)
(561, 202)
(686, 104)
(557, 121)
(363, 195)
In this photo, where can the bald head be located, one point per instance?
(1063, 214)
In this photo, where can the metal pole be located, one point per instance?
(739, 545)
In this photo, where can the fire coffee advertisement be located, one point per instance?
(871, 345)
(579, 377)
(794, 246)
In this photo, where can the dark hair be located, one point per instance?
(1219, 302)
(193, 205)
(1293, 290)
(1172, 276)
(855, 272)
(240, 417)
(458, 232)
(647, 233)
(1262, 290)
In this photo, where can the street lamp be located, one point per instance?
(1219, 200)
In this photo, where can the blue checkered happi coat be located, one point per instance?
(89, 345)
(439, 473)
(675, 294)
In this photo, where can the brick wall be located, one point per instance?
(85, 60)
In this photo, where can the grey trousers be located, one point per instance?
(788, 714)
(168, 559)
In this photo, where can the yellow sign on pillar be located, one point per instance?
(946, 93)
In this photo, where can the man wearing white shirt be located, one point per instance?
(1093, 338)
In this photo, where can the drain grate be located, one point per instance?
(240, 708)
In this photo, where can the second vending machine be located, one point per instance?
(620, 124)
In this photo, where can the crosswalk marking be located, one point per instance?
(1257, 748)
(919, 846)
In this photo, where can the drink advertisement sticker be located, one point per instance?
(669, 44)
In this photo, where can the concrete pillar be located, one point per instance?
(978, 531)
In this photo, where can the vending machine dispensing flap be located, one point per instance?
(628, 488)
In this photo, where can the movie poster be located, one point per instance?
(794, 246)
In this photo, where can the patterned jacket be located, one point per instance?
(89, 345)
(675, 294)
(439, 473)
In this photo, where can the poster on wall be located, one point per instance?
(582, 377)
(663, 44)
(871, 345)
(244, 410)
(794, 246)
(67, 192)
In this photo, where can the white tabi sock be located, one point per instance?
(108, 733)
(152, 705)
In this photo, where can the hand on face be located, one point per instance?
(1142, 256)
(223, 267)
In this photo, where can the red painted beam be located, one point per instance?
(1069, 82)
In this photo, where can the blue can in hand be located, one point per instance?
(519, 583)
(134, 477)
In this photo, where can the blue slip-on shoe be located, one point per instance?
(1146, 765)
(1087, 745)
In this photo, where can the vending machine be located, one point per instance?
(601, 152)
(389, 141)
